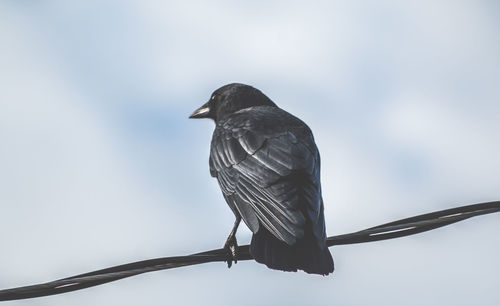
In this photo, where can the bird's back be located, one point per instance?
(268, 168)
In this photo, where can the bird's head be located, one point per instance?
(229, 99)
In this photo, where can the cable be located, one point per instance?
(400, 228)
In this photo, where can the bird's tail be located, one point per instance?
(304, 255)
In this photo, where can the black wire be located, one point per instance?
(400, 228)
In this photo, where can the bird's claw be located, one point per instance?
(231, 247)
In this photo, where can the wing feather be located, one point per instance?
(267, 166)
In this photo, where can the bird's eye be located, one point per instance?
(213, 98)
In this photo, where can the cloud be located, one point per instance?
(99, 163)
(459, 143)
(67, 190)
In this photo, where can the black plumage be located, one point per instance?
(268, 168)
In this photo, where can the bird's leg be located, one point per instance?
(231, 245)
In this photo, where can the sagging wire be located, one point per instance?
(396, 229)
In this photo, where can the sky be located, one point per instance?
(100, 166)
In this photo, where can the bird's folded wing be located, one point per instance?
(267, 174)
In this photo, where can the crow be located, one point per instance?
(268, 168)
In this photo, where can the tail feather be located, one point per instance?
(304, 255)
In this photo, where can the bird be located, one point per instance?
(268, 168)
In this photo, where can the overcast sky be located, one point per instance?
(100, 166)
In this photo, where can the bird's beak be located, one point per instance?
(202, 112)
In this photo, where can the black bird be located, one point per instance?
(268, 168)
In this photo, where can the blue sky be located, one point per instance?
(100, 165)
